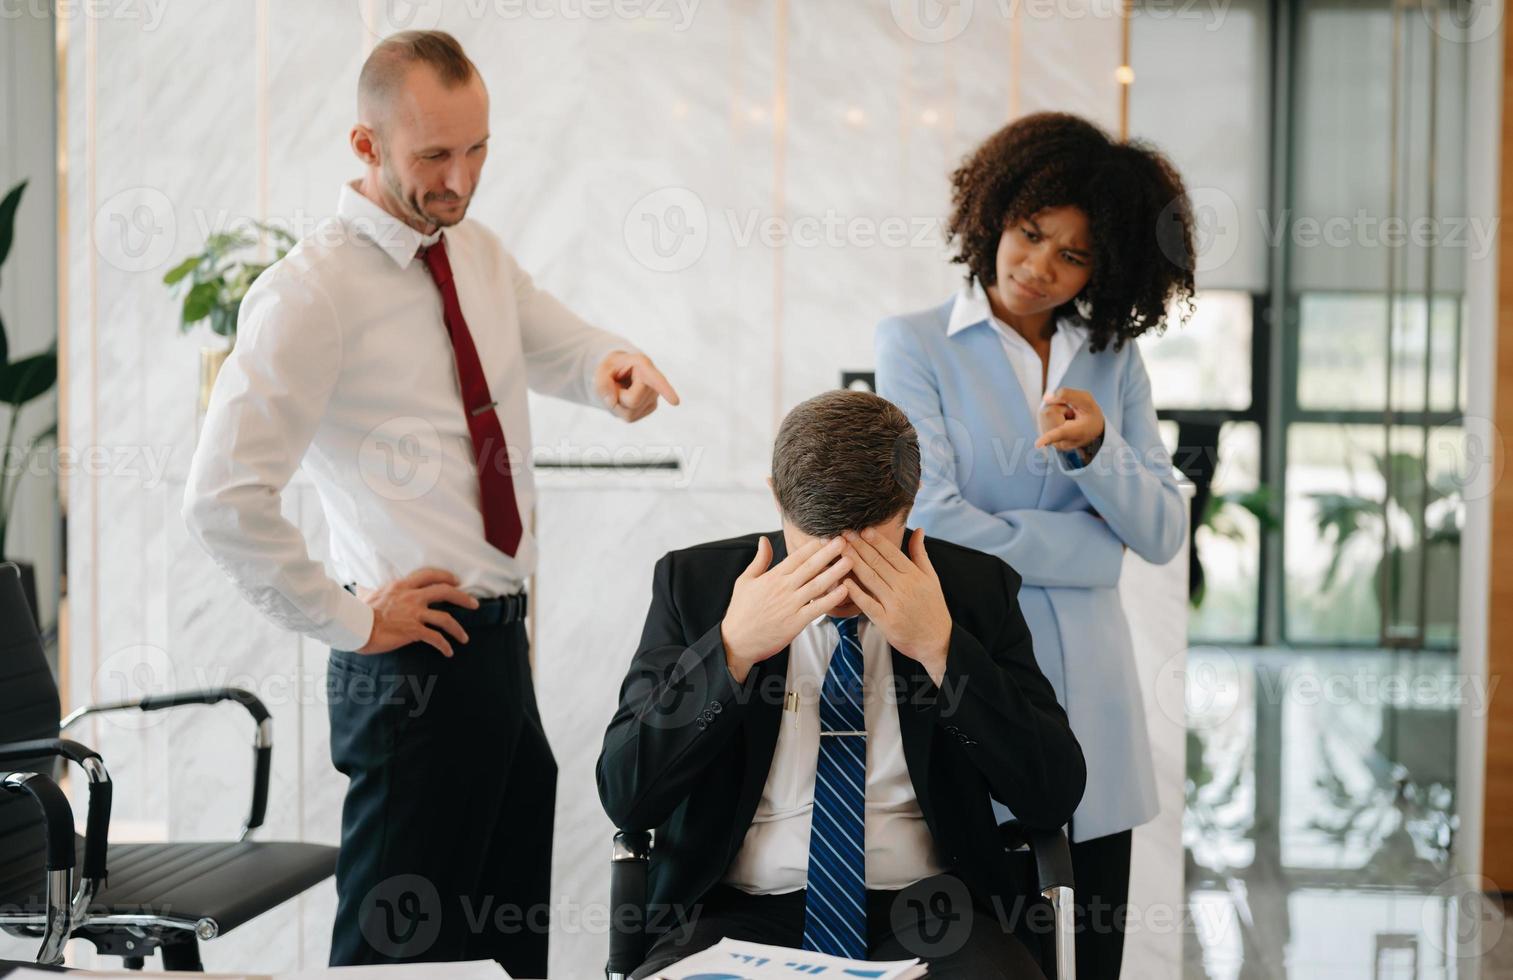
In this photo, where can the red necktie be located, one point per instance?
(496, 484)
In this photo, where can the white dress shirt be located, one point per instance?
(343, 367)
(971, 308)
(774, 857)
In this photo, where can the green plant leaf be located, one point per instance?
(1341, 516)
(1257, 502)
(1260, 503)
(223, 320)
(28, 378)
(200, 301)
(8, 208)
(227, 241)
(218, 278)
(280, 235)
(5, 352)
(181, 270)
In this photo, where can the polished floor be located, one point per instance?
(1320, 818)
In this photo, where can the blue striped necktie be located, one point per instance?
(835, 909)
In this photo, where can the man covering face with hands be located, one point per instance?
(816, 720)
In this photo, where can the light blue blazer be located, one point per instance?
(1062, 528)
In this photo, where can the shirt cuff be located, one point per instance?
(351, 626)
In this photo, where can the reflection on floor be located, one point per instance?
(1320, 816)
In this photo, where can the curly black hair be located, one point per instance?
(1139, 217)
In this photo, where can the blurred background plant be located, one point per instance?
(214, 281)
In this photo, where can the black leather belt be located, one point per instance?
(498, 611)
(501, 610)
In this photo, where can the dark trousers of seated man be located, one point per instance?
(934, 920)
(446, 845)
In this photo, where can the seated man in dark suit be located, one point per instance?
(817, 720)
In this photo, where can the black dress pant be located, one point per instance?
(446, 848)
(934, 920)
(1100, 877)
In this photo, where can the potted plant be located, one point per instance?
(1344, 517)
(21, 381)
(213, 283)
(1220, 516)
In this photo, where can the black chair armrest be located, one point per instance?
(1053, 875)
(1053, 858)
(208, 695)
(1053, 855)
(57, 815)
(58, 841)
(97, 820)
(629, 860)
(262, 745)
(58, 748)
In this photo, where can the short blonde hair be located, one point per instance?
(392, 57)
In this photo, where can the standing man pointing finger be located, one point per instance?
(388, 355)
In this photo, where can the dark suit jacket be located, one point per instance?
(688, 750)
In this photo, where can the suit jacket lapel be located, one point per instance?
(916, 726)
(764, 719)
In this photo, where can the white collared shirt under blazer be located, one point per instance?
(774, 857)
(343, 368)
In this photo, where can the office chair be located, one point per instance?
(630, 857)
(130, 900)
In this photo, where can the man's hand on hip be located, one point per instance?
(769, 607)
(629, 385)
(402, 612)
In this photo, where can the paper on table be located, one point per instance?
(476, 970)
(730, 959)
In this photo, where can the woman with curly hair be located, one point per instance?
(1039, 437)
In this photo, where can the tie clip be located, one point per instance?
(483, 408)
(843, 733)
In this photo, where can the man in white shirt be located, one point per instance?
(817, 721)
(388, 355)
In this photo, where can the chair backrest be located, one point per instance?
(28, 709)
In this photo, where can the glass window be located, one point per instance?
(1206, 362)
(1333, 532)
(1228, 541)
(1342, 351)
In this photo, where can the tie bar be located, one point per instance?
(483, 408)
(843, 733)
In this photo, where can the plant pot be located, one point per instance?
(211, 359)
